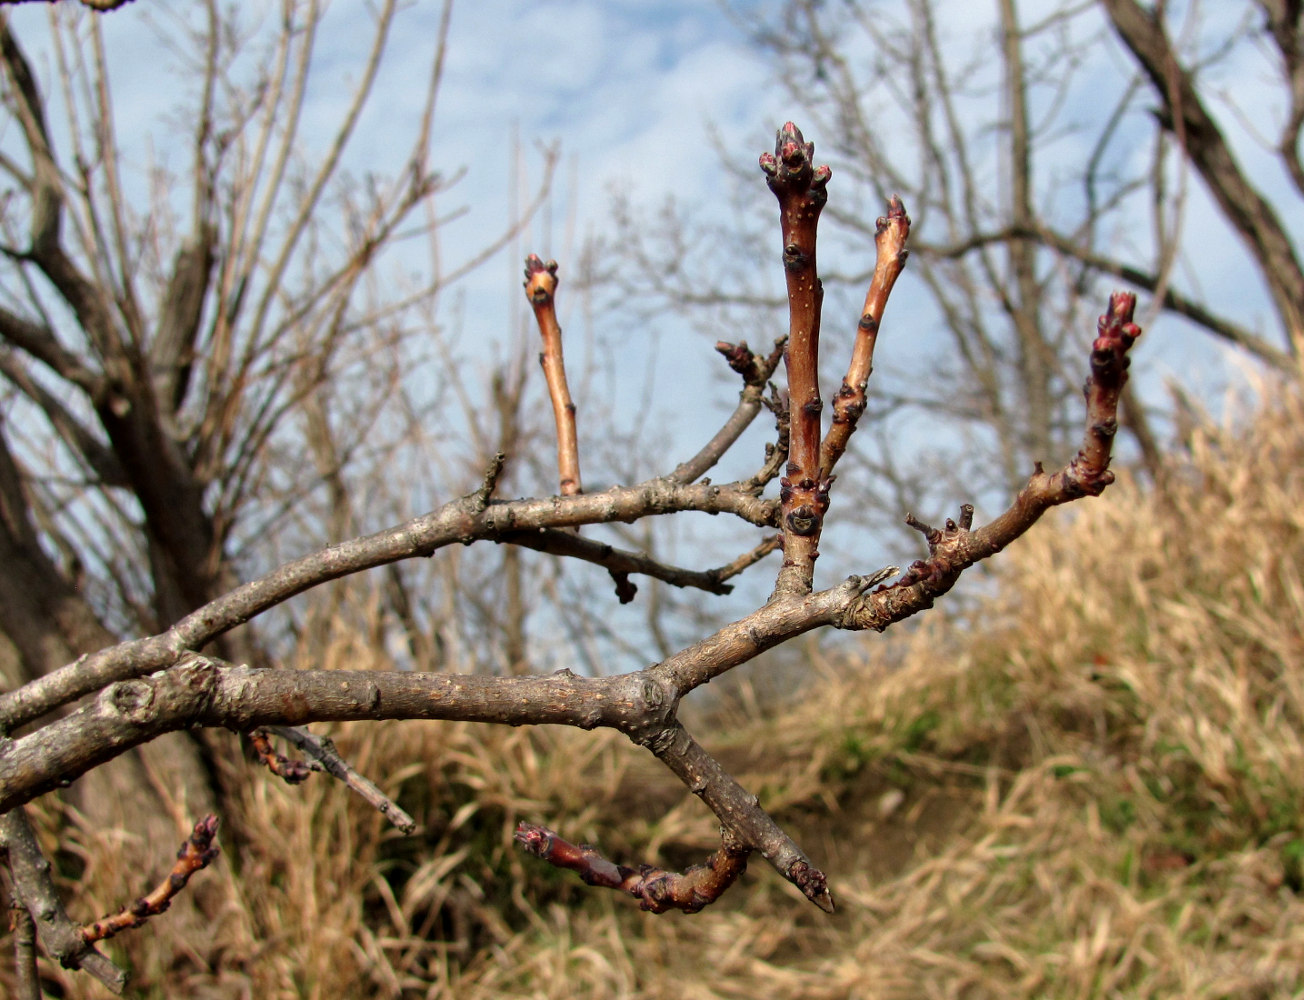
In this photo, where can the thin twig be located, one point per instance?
(327, 758)
(196, 853)
(34, 888)
(890, 236)
(461, 521)
(655, 888)
(292, 772)
(802, 191)
(738, 810)
(756, 372)
(623, 561)
(541, 290)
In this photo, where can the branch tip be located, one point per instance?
(197, 852)
(656, 889)
(813, 883)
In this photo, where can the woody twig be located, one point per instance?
(802, 190)
(325, 757)
(33, 888)
(655, 888)
(196, 853)
(890, 237)
(292, 772)
(541, 290)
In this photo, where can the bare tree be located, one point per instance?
(205, 349)
(144, 688)
(1042, 160)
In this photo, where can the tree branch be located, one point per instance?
(802, 191)
(656, 889)
(1248, 212)
(33, 887)
(891, 233)
(326, 758)
(462, 521)
(196, 853)
(541, 290)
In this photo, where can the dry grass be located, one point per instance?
(1092, 788)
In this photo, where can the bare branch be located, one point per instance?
(802, 191)
(541, 290)
(957, 547)
(195, 854)
(892, 231)
(656, 889)
(565, 543)
(461, 521)
(34, 888)
(326, 758)
(292, 772)
(1250, 214)
(737, 809)
(1220, 326)
(756, 372)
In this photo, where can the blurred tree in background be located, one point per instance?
(1047, 151)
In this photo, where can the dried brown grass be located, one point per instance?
(1089, 788)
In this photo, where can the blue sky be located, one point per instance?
(632, 92)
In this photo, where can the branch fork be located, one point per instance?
(159, 684)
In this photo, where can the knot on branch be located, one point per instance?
(130, 699)
(950, 553)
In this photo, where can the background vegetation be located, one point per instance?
(1073, 791)
(1086, 784)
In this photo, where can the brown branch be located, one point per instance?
(23, 928)
(956, 548)
(891, 232)
(1174, 301)
(802, 191)
(737, 809)
(40, 341)
(34, 888)
(756, 372)
(48, 201)
(466, 520)
(640, 705)
(196, 853)
(292, 772)
(643, 705)
(541, 290)
(749, 558)
(326, 758)
(655, 888)
(622, 561)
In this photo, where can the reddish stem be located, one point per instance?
(801, 189)
(197, 852)
(655, 888)
(890, 236)
(292, 772)
(541, 289)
